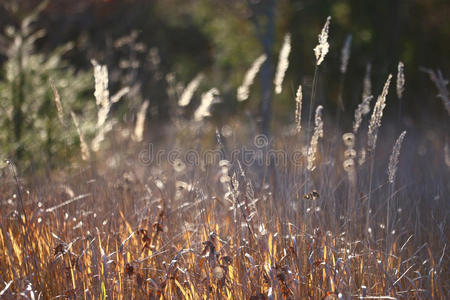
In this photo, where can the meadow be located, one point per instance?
(319, 208)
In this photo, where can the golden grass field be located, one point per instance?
(121, 229)
(202, 208)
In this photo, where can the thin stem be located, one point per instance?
(372, 161)
(308, 134)
(313, 94)
(388, 223)
(340, 106)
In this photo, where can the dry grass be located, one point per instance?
(318, 222)
(129, 231)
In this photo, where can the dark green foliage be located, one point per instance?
(30, 130)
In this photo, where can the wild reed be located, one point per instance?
(85, 153)
(140, 122)
(283, 63)
(372, 135)
(392, 170)
(189, 91)
(244, 90)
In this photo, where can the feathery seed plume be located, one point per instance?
(322, 48)
(104, 102)
(117, 96)
(393, 161)
(318, 133)
(441, 84)
(101, 93)
(140, 122)
(400, 79)
(208, 98)
(189, 91)
(362, 110)
(243, 90)
(298, 109)
(101, 83)
(283, 63)
(377, 114)
(58, 103)
(345, 54)
(85, 155)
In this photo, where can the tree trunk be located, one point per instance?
(18, 99)
(263, 17)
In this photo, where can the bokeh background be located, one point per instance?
(157, 47)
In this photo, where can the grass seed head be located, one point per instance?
(283, 63)
(322, 48)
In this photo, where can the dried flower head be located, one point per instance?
(181, 185)
(313, 195)
(393, 161)
(322, 48)
(219, 273)
(283, 63)
(243, 90)
(178, 165)
(349, 165)
(349, 168)
(224, 163)
(349, 139)
(349, 154)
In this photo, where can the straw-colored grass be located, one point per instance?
(217, 231)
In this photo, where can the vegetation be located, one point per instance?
(338, 201)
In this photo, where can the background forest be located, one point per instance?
(154, 48)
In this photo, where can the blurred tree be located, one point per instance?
(264, 17)
(31, 130)
(222, 38)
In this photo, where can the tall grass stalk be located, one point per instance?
(24, 222)
(392, 170)
(372, 135)
(320, 51)
(308, 133)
